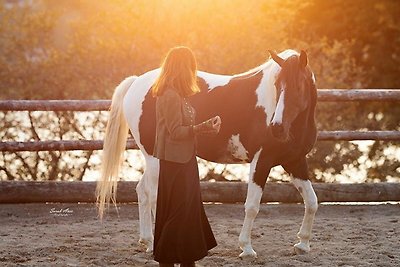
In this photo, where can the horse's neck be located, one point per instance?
(266, 91)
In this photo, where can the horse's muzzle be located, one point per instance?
(278, 132)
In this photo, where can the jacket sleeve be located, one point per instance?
(170, 106)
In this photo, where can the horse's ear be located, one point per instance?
(303, 59)
(276, 58)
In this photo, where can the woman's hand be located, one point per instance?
(216, 123)
(210, 126)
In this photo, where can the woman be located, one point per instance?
(182, 231)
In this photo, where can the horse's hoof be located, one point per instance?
(143, 241)
(146, 243)
(248, 254)
(301, 248)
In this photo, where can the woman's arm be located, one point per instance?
(208, 127)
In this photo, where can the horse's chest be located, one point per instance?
(291, 151)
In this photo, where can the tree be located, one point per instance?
(367, 33)
(83, 49)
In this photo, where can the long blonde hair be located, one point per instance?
(178, 72)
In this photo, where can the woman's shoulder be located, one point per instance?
(170, 93)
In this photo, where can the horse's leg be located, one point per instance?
(257, 178)
(302, 183)
(311, 205)
(147, 198)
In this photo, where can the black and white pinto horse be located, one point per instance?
(267, 118)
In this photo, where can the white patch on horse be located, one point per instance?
(278, 117)
(133, 102)
(311, 206)
(254, 189)
(313, 77)
(236, 148)
(214, 80)
(146, 190)
(266, 91)
(252, 206)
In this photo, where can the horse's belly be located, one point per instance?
(230, 151)
(230, 160)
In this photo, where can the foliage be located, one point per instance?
(71, 49)
(55, 165)
(367, 32)
(50, 165)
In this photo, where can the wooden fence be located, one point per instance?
(21, 192)
(223, 192)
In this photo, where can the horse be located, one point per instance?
(267, 118)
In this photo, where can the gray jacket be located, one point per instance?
(175, 117)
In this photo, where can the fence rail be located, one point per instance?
(28, 191)
(101, 105)
(223, 192)
(324, 95)
(67, 145)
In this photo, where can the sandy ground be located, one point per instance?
(38, 235)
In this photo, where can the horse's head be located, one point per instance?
(295, 86)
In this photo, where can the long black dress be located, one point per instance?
(182, 231)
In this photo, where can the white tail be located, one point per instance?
(114, 146)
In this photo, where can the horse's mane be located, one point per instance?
(284, 54)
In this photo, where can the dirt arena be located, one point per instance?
(71, 235)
